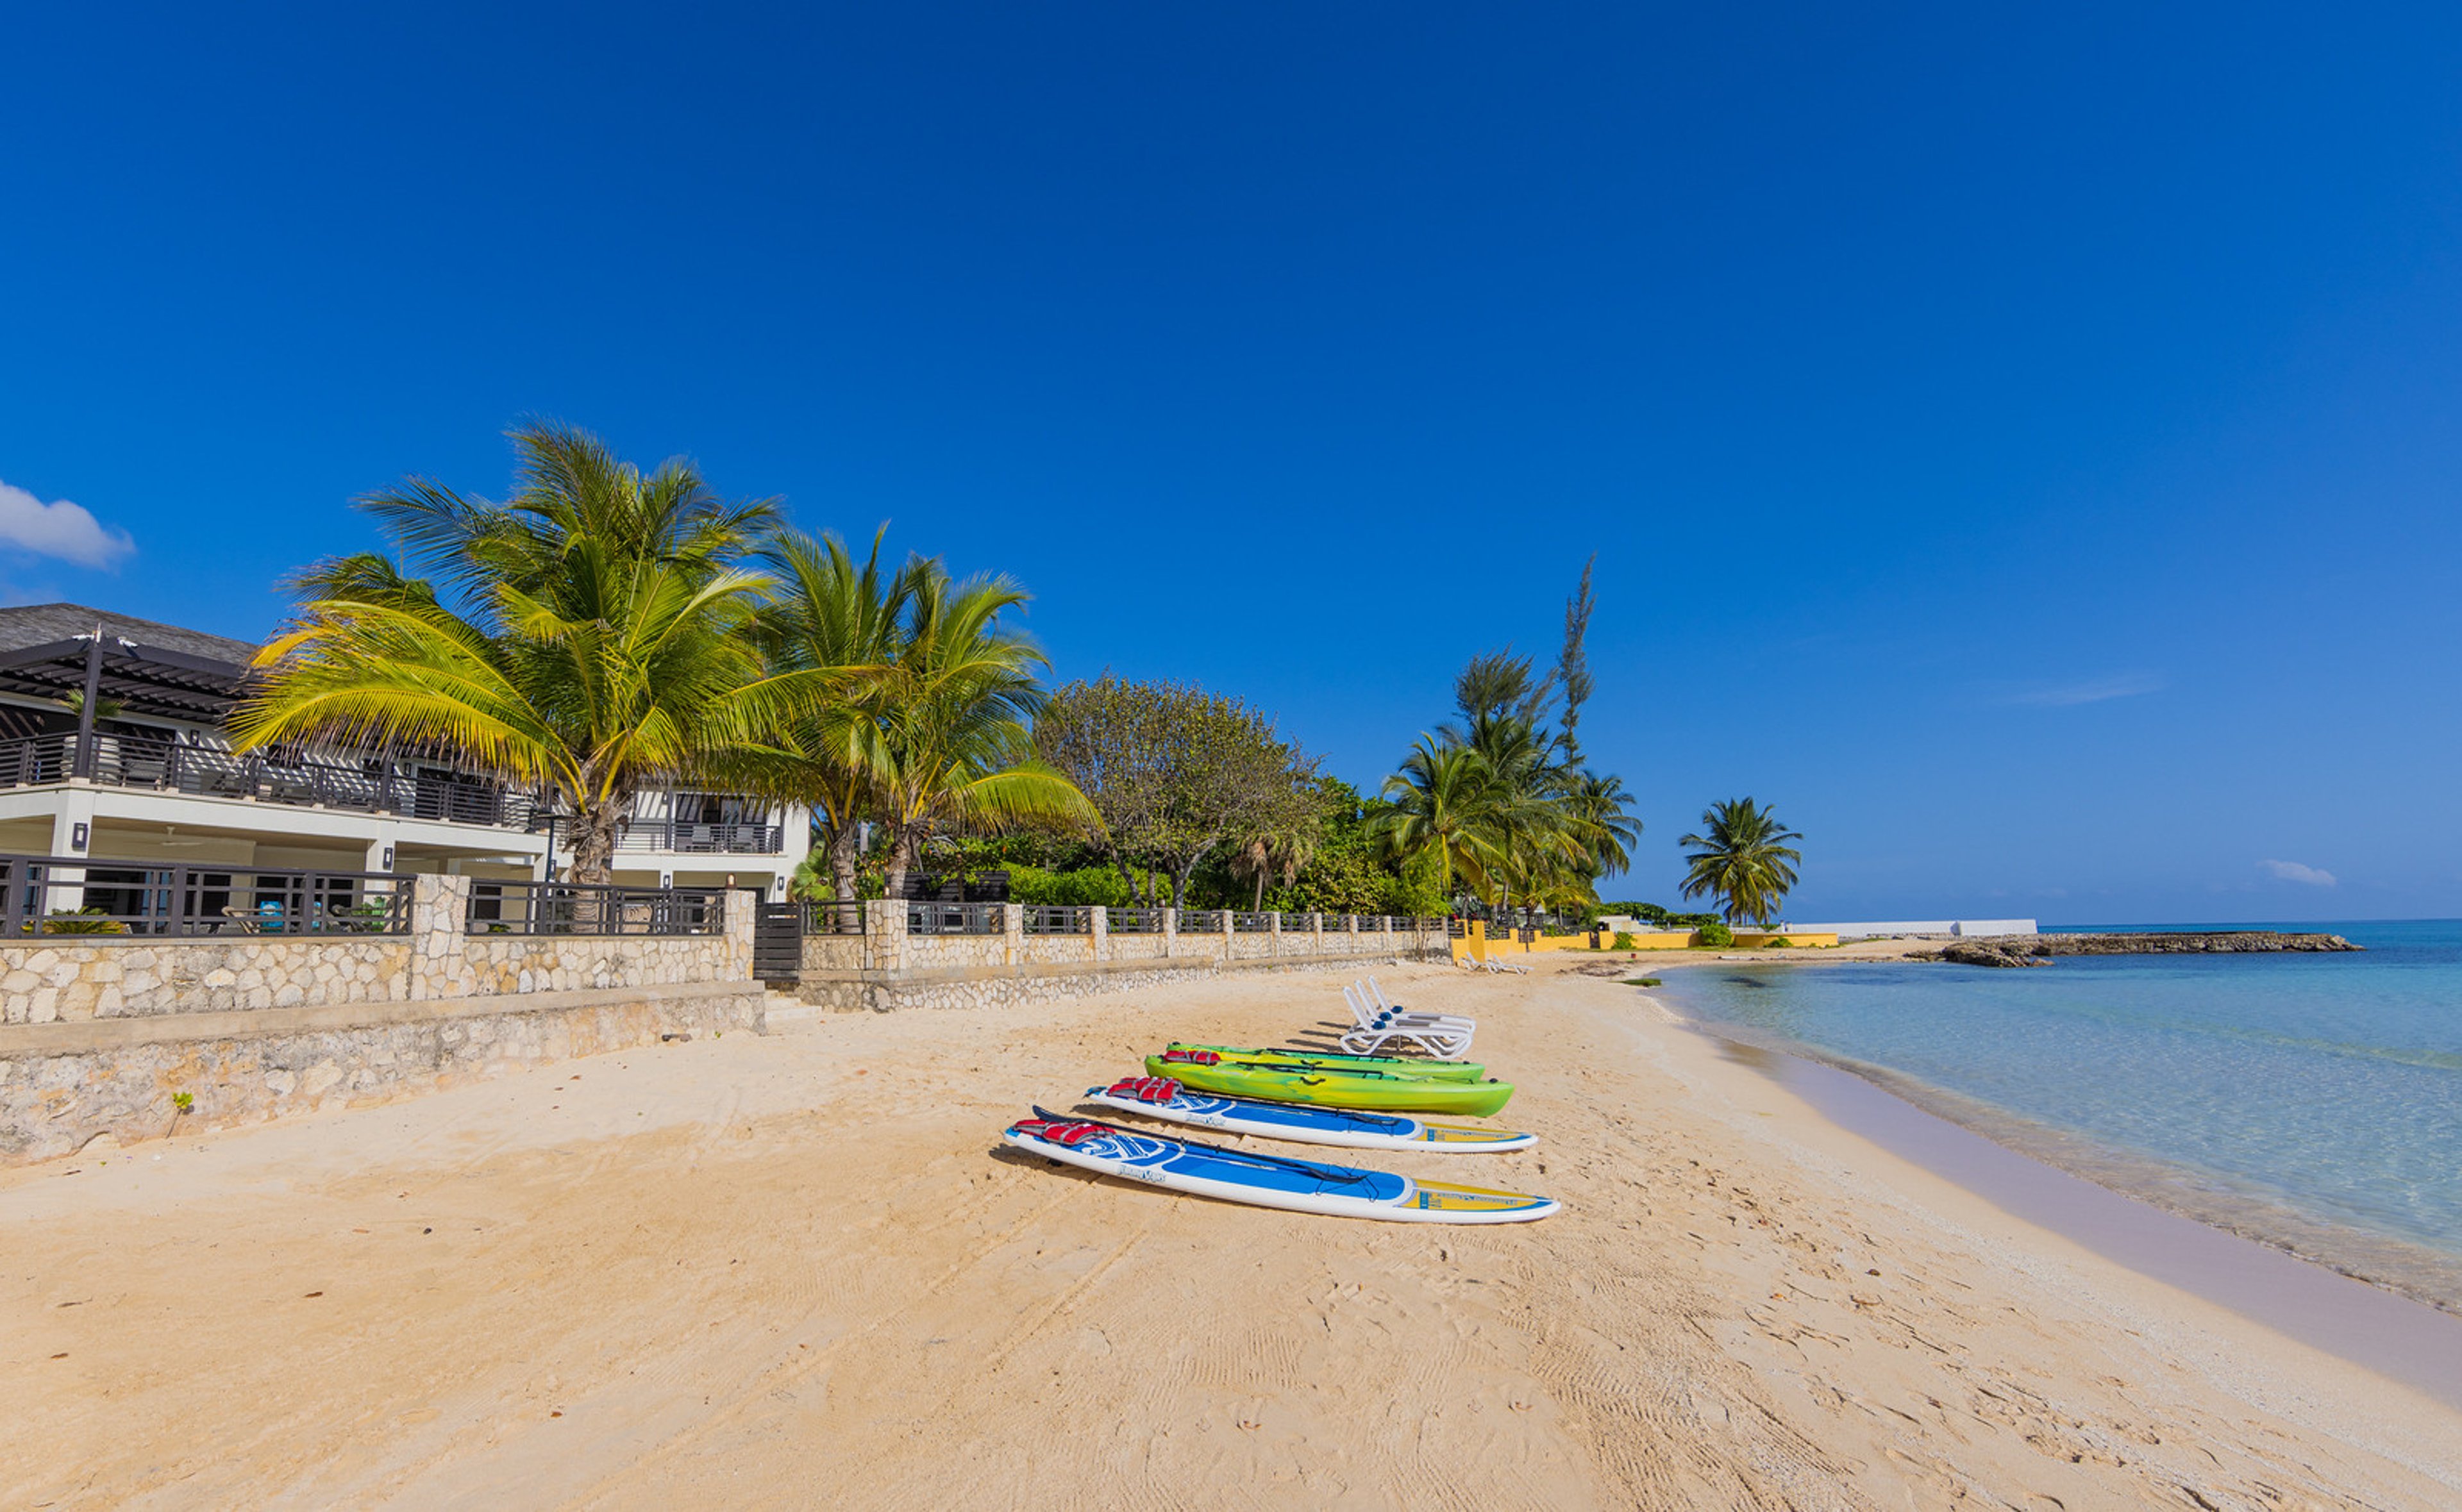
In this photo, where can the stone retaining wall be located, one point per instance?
(886, 947)
(69, 979)
(105, 1036)
(56, 981)
(74, 1082)
(992, 986)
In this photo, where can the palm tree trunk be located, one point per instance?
(901, 857)
(843, 847)
(594, 842)
(1259, 906)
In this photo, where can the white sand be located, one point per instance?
(800, 1272)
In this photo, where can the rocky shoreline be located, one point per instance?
(2035, 950)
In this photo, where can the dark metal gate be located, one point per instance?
(778, 942)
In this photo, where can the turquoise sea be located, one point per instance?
(2311, 1099)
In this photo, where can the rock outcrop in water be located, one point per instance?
(2035, 950)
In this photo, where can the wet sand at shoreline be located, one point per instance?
(799, 1271)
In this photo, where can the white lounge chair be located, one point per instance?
(1371, 996)
(1444, 1042)
(1368, 1006)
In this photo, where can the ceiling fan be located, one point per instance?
(171, 840)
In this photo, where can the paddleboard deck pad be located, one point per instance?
(1165, 1097)
(1238, 1176)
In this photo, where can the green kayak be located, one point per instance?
(1327, 1060)
(1330, 1087)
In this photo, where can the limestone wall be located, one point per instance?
(70, 978)
(978, 970)
(133, 1037)
(55, 982)
(78, 1081)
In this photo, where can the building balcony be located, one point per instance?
(375, 786)
(678, 837)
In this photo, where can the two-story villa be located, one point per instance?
(113, 747)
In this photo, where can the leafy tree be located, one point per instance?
(1178, 774)
(589, 635)
(1744, 860)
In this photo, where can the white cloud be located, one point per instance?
(2294, 871)
(58, 528)
(2096, 690)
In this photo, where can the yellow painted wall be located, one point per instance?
(1475, 944)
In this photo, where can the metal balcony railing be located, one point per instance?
(702, 839)
(1049, 920)
(71, 896)
(583, 908)
(954, 919)
(125, 760)
(832, 917)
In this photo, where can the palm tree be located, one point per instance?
(1595, 806)
(1277, 852)
(1744, 860)
(600, 645)
(953, 705)
(831, 612)
(1441, 808)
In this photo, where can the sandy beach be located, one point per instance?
(799, 1271)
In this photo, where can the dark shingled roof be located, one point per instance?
(40, 624)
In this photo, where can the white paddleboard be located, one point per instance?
(1238, 1176)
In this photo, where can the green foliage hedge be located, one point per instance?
(1716, 935)
(1086, 887)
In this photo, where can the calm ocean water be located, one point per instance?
(2326, 1086)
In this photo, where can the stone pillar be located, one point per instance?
(440, 932)
(1013, 931)
(884, 935)
(1230, 937)
(1316, 934)
(1274, 927)
(1099, 928)
(735, 961)
(1170, 932)
(1351, 934)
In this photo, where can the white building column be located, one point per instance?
(67, 894)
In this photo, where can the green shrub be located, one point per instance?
(1622, 941)
(1715, 936)
(1778, 942)
(186, 1102)
(1086, 887)
(81, 921)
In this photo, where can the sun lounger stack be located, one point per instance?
(1377, 1022)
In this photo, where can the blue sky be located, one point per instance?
(2021, 447)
